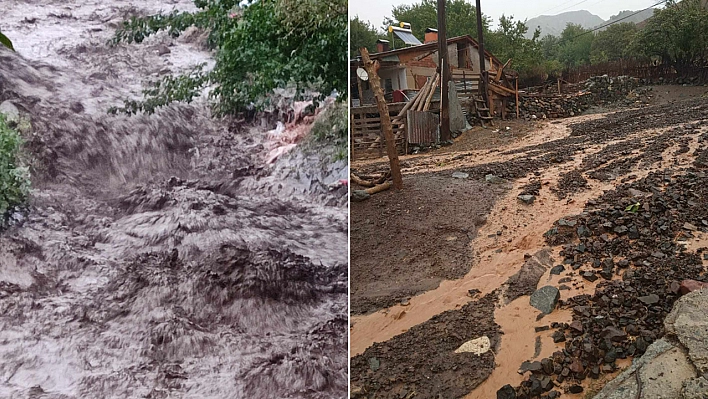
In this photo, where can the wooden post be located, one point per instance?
(361, 91)
(375, 84)
(517, 97)
(483, 81)
(444, 73)
(559, 86)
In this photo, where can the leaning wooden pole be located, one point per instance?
(386, 126)
(444, 73)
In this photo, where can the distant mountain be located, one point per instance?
(554, 24)
(646, 14)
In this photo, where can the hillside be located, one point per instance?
(554, 24)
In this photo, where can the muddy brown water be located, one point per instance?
(159, 257)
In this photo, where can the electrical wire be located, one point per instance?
(617, 20)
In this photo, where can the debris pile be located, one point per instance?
(576, 98)
(631, 238)
(543, 106)
(607, 89)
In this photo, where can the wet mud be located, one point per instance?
(159, 255)
(568, 166)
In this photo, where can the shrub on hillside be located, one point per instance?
(261, 46)
(14, 177)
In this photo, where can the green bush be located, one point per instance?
(264, 45)
(14, 177)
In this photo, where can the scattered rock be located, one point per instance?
(557, 269)
(527, 199)
(506, 392)
(545, 299)
(691, 285)
(478, 346)
(649, 299)
(575, 389)
(490, 178)
(460, 175)
(590, 276)
(374, 364)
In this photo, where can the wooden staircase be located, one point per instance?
(482, 111)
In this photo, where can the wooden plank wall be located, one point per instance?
(367, 139)
(466, 82)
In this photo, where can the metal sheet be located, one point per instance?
(423, 127)
(406, 36)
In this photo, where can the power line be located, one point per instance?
(571, 6)
(617, 20)
(554, 7)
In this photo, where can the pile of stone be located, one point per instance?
(606, 90)
(598, 90)
(630, 242)
(548, 106)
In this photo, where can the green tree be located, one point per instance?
(677, 34)
(575, 45)
(508, 42)
(550, 46)
(362, 34)
(614, 43)
(264, 45)
(461, 17)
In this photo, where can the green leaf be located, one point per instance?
(4, 40)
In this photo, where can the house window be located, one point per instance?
(388, 85)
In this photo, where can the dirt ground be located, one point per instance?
(159, 255)
(404, 245)
(566, 164)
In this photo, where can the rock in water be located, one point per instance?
(12, 114)
(545, 299)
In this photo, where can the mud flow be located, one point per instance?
(562, 245)
(160, 255)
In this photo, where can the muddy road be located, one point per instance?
(159, 255)
(583, 171)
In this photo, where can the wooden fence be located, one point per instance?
(635, 69)
(367, 139)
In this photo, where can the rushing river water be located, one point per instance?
(160, 257)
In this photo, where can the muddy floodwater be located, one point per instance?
(159, 255)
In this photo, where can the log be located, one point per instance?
(386, 126)
(410, 105)
(379, 188)
(432, 93)
(364, 183)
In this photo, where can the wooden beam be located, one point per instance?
(428, 100)
(517, 97)
(386, 126)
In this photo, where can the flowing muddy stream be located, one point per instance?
(159, 256)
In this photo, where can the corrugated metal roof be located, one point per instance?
(392, 57)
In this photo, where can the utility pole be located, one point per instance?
(482, 64)
(444, 73)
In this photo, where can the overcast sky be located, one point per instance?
(374, 11)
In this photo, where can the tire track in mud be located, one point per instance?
(589, 146)
(156, 259)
